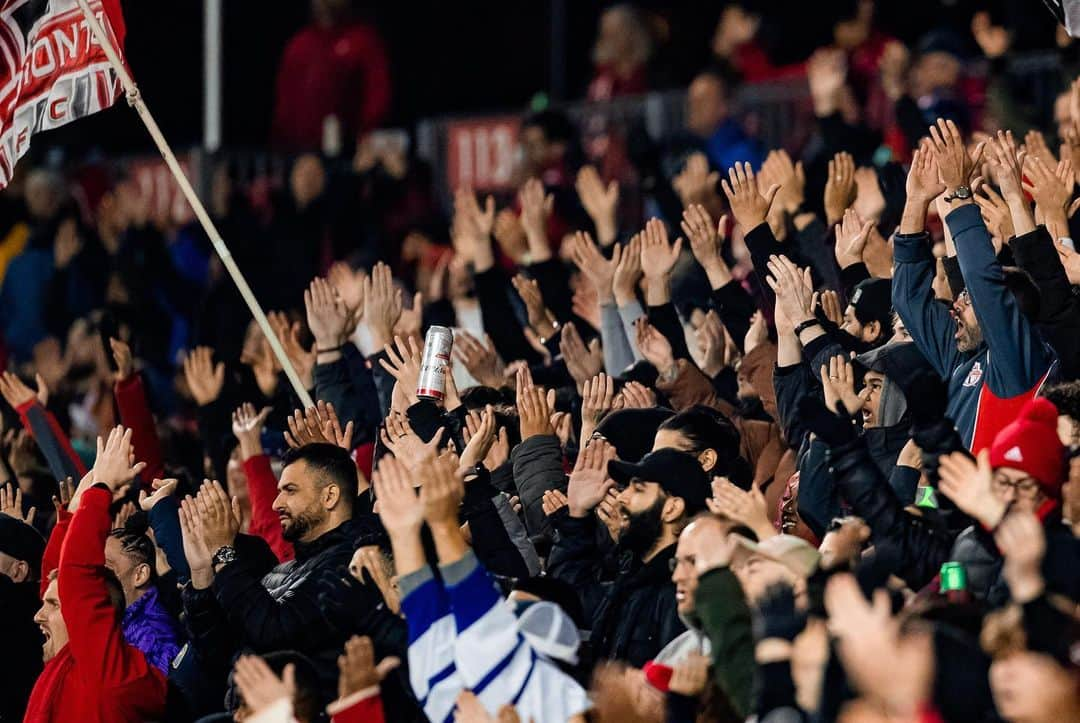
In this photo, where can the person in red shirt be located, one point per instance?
(91, 674)
(622, 52)
(334, 72)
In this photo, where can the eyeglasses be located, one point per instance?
(1027, 488)
(676, 562)
(964, 298)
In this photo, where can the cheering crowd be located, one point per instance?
(801, 446)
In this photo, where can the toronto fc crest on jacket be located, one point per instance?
(53, 69)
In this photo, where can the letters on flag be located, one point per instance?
(52, 69)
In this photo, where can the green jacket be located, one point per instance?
(725, 617)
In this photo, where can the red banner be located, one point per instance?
(480, 153)
(52, 69)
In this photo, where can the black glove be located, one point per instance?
(833, 429)
(926, 395)
(775, 615)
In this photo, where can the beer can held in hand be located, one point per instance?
(438, 344)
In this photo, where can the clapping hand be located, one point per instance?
(582, 362)
(11, 504)
(114, 463)
(969, 484)
(589, 482)
(162, 488)
(840, 187)
(398, 436)
(838, 381)
(480, 359)
(218, 515)
(258, 685)
(357, 670)
(403, 364)
(600, 202)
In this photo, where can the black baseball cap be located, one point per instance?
(678, 473)
(21, 541)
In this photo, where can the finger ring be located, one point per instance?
(836, 379)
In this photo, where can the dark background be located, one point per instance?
(450, 57)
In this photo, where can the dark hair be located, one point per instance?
(306, 700)
(1066, 397)
(139, 547)
(329, 461)
(707, 428)
(1024, 290)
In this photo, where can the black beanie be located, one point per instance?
(872, 301)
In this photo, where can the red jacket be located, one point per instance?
(96, 677)
(340, 71)
(262, 489)
(363, 706)
(136, 415)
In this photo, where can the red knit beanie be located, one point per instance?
(1031, 444)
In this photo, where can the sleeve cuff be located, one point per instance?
(350, 700)
(911, 248)
(409, 583)
(455, 572)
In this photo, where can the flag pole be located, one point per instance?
(135, 100)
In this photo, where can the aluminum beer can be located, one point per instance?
(438, 345)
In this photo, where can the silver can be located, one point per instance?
(438, 345)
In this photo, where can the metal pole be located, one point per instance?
(211, 75)
(222, 250)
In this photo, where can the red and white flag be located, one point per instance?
(52, 69)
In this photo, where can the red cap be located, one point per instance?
(1031, 444)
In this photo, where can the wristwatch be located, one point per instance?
(223, 557)
(962, 193)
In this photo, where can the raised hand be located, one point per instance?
(125, 364)
(690, 676)
(993, 40)
(395, 490)
(552, 501)
(534, 410)
(62, 499)
(398, 436)
(11, 504)
(838, 381)
(969, 484)
(995, 213)
(741, 506)
(480, 359)
(712, 343)
(582, 362)
(657, 255)
(258, 685)
(1035, 145)
(536, 207)
(598, 270)
(13, 390)
(589, 482)
(442, 491)
(706, 240)
(349, 285)
(627, 272)
(611, 515)
(600, 202)
(382, 305)
(654, 346)
(793, 289)
(748, 202)
(955, 166)
(472, 228)
(317, 425)
(162, 488)
(829, 301)
(695, 183)
(199, 556)
(1052, 189)
(1021, 539)
(791, 177)
(247, 426)
(597, 399)
(357, 669)
(540, 319)
(851, 238)
(635, 395)
(113, 466)
(839, 187)
(288, 335)
(923, 181)
(204, 378)
(756, 335)
(218, 515)
(403, 364)
(479, 435)
(327, 315)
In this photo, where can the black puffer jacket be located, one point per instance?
(635, 615)
(280, 610)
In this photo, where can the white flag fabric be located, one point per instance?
(52, 70)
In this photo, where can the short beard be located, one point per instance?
(643, 529)
(970, 339)
(299, 525)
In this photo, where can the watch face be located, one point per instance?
(963, 192)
